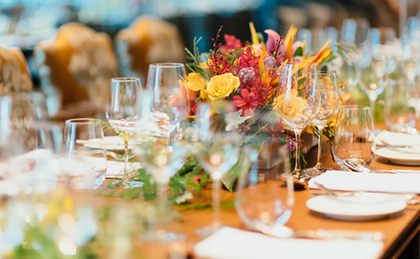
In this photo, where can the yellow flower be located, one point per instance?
(222, 86)
(195, 82)
(290, 105)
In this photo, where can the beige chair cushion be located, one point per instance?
(14, 72)
(148, 40)
(75, 69)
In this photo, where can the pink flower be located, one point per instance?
(231, 43)
(247, 101)
(273, 38)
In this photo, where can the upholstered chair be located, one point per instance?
(14, 72)
(75, 70)
(148, 40)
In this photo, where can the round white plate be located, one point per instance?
(366, 206)
(401, 157)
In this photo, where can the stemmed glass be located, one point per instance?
(217, 149)
(378, 61)
(327, 85)
(298, 101)
(124, 120)
(354, 135)
(162, 156)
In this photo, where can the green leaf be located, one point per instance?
(298, 52)
(206, 74)
(301, 81)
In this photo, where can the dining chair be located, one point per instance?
(14, 72)
(148, 40)
(75, 70)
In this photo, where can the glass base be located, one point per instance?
(163, 236)
(125, 184)
(208, 230)
(315, 171)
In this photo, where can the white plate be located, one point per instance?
(366, 206)
(396, 138)
(401, 157)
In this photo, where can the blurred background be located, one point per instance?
(25, 23)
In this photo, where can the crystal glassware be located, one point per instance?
(83, 166)
(217, 149)
(161, 155)
(264, 199)
(401, 106)
(124, 120)
(298, 101)
(330, 102)
(354, 135)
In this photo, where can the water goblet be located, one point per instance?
(217, 149)
(298, 101)
(330, 101)
(124, 120)
(83, 166)
(354, 135)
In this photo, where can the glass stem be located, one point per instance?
(161, 196)
(125, 176)
(297, 170)
(320, 129)
(216, 202)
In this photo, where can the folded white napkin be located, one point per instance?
(394, 138)
(116, 169)
(375, 182)
(233, 243)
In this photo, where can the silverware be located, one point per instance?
(410, 198)
(359, 168)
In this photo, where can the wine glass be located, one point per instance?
(83, 166)
(354, 135)
(217, 149)
(264, 200)
(378, 61)
(164, 80)
(298, 101)
(401, 107)
(330, 101)
(124, 120)
(162, 156)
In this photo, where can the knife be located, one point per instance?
(339, 234)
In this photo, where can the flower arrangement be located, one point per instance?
(248, 76)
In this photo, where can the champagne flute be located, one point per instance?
(217, 149)
(298, 101)
(354, 135)
(124, 120)
(327, 85)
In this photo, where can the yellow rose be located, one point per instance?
(195, 82)
(289, 105)
(222, 86)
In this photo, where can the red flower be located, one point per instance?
(246, 59)
(247, 101)
(231, 43)
(184, 101)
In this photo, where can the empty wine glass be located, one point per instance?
(327, 85)
(124, 120)
(298, 101)
(164, 80)
(264, 199)
(401, 111)
(354, 135)
(83, 166)
(162, 157)
(217, 149)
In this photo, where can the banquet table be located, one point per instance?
(401, 230)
